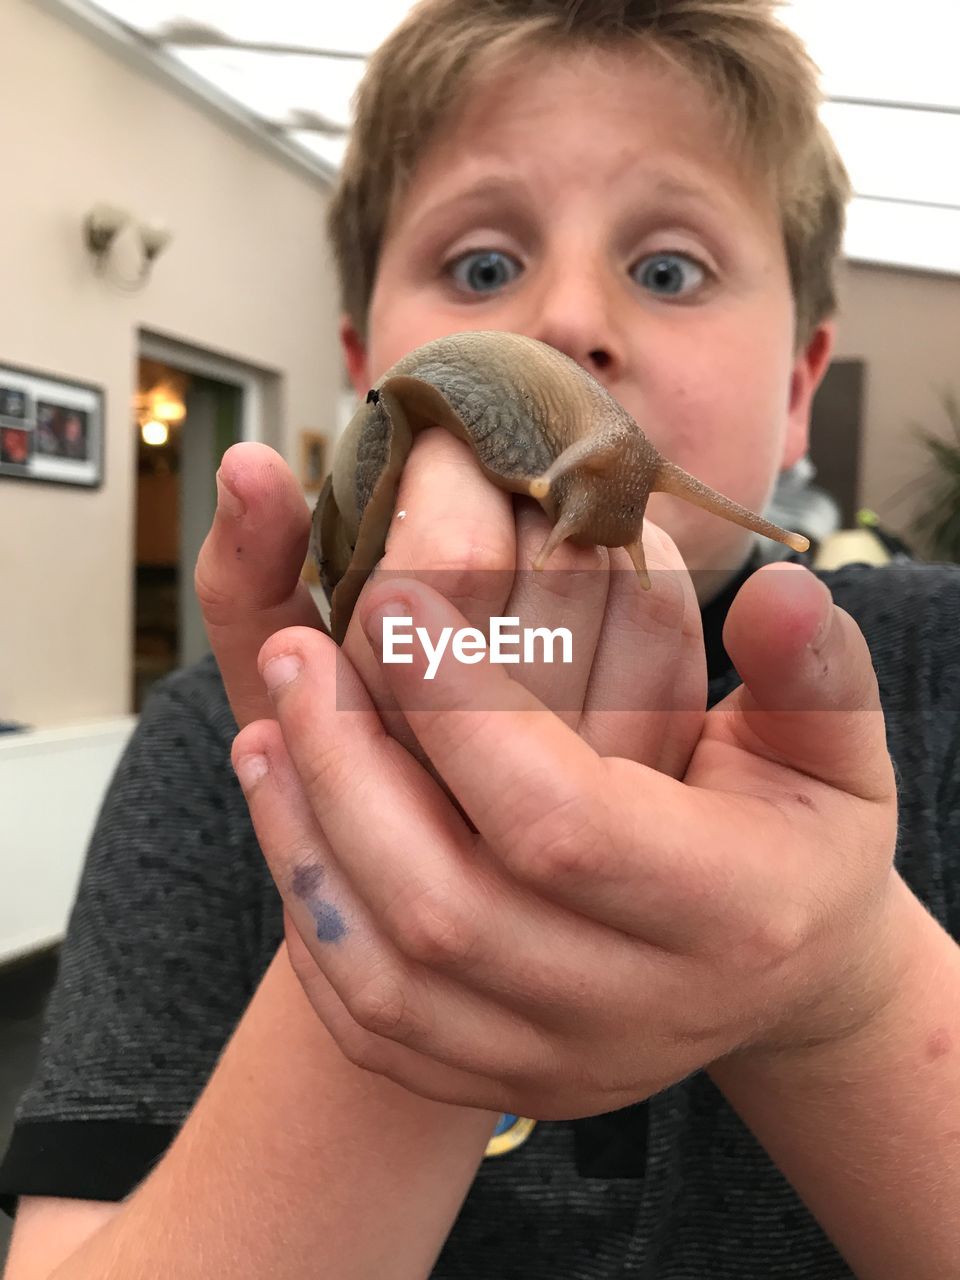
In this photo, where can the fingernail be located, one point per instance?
(374, 618)
(227, 500)
(250, 769)
(280, 671)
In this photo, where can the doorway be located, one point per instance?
(189, 409)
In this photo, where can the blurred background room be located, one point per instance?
(169, 292)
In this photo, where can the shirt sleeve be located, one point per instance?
(173, 926)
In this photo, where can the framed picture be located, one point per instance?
(313, 460)
(51, 428)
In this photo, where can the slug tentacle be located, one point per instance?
(593, 453)
(567, 525)
(638, 556)
(674, 480)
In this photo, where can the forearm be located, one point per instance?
(294, 1163)
(868, 1131)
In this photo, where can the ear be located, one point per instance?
(808, 370)
(355, 355)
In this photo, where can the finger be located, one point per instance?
(809, 699)
(413, 1071)
(507, 759)
(457, 530)
(441, 902)
(648, 690)
(615, 841)
(383, 992)
(247, 576)
(569, 593)
(452, 528)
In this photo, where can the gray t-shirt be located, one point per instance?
(177, 918)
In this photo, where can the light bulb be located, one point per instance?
(154, 432)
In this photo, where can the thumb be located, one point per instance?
(247, 577)
(810, 698)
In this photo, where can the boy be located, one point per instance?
(674, 939)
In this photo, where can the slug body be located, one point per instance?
(538, 424)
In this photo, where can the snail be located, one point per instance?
(538, 425)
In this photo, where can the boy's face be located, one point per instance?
(589, 200)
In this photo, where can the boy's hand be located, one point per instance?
(610, 917)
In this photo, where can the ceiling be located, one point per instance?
(890, 74)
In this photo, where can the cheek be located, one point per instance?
(726, 418)
(725, 423)
(406, 312)
(400, 318)
(394, 331)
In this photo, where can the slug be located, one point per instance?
(538, 424)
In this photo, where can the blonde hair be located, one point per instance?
(757, 70)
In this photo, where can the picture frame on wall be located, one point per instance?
(51, 428)
(313, 460)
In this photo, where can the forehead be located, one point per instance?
(610, 117)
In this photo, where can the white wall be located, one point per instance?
(247, 276)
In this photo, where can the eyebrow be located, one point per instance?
(487, 189)
(493, 188)
(679, 189)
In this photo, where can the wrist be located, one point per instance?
(874, 1016)
(864, 1126)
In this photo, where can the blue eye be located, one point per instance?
(669, 274)
(486, 271)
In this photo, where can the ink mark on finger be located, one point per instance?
(306, 879)
(329, 922)
(305, 884)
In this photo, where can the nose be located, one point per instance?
(575, 311)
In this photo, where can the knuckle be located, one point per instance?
(563, 845)
(356, 1044)
(216, 603)
(433, 929)
(455, 556)
(381, 1007)
(328, 771)
(468, 557)
(780, 937)
(358, 1047)
(771, 944)
(475, 571)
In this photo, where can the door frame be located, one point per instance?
(254, 403)
(206, 364)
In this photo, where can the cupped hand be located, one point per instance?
(593, 928)
(636, 687)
